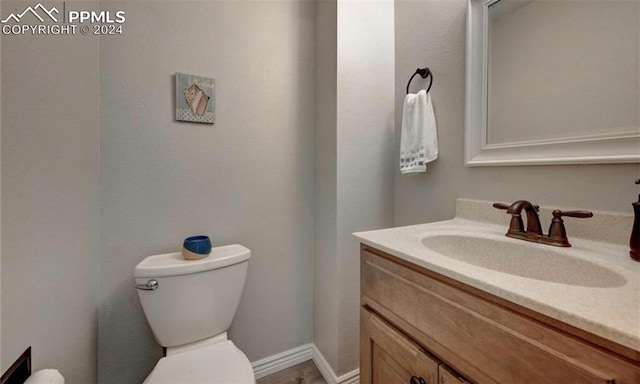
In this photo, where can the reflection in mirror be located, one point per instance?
(562, 70)
(552, 82)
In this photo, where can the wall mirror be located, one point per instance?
(552, 82)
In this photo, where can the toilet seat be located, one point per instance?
(220, 363)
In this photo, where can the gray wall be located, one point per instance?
(1, 365)
(354, 174)
(247, 179)
(365, 118)
(325, 262)
(432, 33)
(50, 197)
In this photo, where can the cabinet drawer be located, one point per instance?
(482, 340)
(447, 376)
(388, 357)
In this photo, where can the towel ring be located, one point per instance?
(423, 72)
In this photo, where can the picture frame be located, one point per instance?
(195, 98)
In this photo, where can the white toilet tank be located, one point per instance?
(192, 300)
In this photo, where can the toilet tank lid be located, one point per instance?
(173, 264)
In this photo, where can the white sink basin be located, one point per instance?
(540, 262)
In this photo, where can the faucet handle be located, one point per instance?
(501, 206)
(579, 214)
(557, 232)
(516, 225)
(504, 206)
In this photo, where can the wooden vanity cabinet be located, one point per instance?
(417, 323)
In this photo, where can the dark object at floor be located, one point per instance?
(19, 371)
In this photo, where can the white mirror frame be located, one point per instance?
(603, 148)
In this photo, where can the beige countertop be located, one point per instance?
(611, 311)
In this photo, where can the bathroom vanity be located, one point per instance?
(518, 313)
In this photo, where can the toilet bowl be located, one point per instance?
(220, 363)
(189, 306)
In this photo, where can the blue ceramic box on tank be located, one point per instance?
(196, 247)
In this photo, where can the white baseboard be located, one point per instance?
(286, 359)
(327, 372)
(282, 360)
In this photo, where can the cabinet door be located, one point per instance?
(447, 376)
(388, 357)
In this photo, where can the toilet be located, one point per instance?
(189, 306)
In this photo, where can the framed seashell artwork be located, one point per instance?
(195, 96)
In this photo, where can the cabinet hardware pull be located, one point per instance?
(417, 380)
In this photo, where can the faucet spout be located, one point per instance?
(533, 220)
(557, 233)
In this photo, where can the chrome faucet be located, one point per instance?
(557, 233)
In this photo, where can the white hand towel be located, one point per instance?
(419, 137)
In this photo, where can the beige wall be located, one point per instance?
(432, 33)
(50, 195)
(247, 179)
